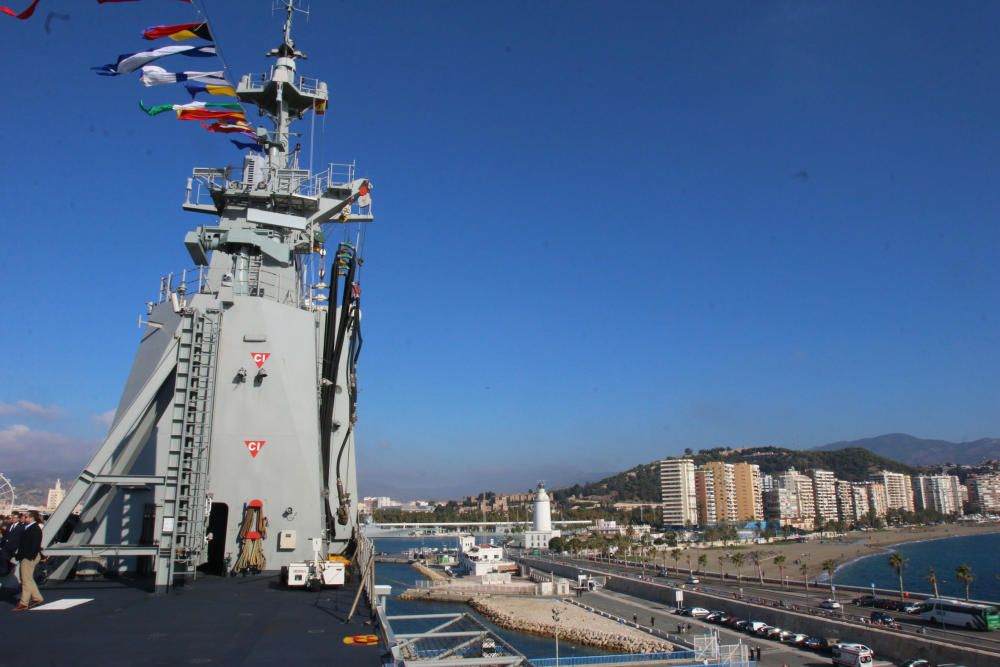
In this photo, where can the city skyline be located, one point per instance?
(799, 247)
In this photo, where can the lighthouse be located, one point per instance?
(541, 525)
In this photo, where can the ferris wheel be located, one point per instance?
(6, 495)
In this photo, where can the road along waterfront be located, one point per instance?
(796, 611)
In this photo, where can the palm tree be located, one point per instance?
(780, 562)
(932, 578)
(804, 569)
(738, 559)
(703, 561)
(755, 558)
(965, 575)
(722, 564)
(898, 562)
(830, 566)
(689, 557)
(675, 556)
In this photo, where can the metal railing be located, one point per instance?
(259, 80)
(633, 658)
(268, 285)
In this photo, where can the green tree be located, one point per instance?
(965, 575)
(756, 557)
(804, 569)
(779, 561)
(932, 578)
(689, 557)
(723, 559)
(830, 566)
(557, 544)
(675, 555)
(703, 561)
(898, 562)
(738, 559)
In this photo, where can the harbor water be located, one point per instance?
(401, 576)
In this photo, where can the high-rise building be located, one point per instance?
(845, 501)
(937, 493)
(878, 499)
(704, 485)
(898, 489)
(724, 485)
(677, 492)
(824, 485)
(749, 492)
(56, 496)
(984, 493)
(860, 497)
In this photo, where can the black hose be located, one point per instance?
(326, 412)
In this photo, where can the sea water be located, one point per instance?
(981, 552)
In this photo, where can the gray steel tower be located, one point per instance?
(240, 405)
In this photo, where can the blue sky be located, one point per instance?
(603, 234)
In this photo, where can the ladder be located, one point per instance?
(183, 513)
(253, 275)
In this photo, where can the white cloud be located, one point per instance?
(29, 409)
(23, 448)
(105, 418)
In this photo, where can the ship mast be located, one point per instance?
(283, 73)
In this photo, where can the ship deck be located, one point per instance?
(210, 621)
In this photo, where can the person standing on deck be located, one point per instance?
(28, 554)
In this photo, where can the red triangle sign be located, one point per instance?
(254, 446)
(259, 357)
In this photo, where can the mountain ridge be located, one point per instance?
(912, 450)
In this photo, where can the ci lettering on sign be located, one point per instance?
(259, 358)
(254, 446)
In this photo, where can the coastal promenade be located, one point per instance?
(775, 607)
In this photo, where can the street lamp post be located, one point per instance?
(555, 617)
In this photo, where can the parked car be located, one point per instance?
(796, 639)
(829, 604)
(773, 633)
(864, 601)
(882, 618)
(683, 611)
(741, 624)
(698, 612)
(913, 608)
(915, 662)
(814, 643)
(693, 580)
(785, 635)
(756, 626)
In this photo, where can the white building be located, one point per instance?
(541, 532)
(898, 489)
(484, 558)
(677, 492)
(825, 494)
(56, 496)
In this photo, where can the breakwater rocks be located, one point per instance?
(533, 616)
(430, 573)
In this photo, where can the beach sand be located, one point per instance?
(813, 553)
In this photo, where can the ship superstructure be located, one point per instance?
(232, 447)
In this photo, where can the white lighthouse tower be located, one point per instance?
(541, 533)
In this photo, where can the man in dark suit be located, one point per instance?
(29, 552)
(10, 542)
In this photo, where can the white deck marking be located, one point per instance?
(62, 605)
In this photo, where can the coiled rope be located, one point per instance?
(252, 535)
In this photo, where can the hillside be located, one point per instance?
(920, 451)
(642, 483)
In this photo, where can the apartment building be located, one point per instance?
(724, 486)
(824, 485)
(984, 493)
(677, 493)
(704, 486)
(749, 492)
(898, 489)
(937, 493)
(845, 501)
